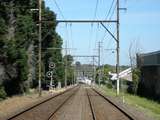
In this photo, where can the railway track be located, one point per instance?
(45, 110)
(78, 103)
(91, 106)
(104, 109)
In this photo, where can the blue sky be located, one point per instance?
(140, 23)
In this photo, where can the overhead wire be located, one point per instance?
(111, 10)
(66, 25)
(109, 42)
(67, 37)
(90, 37)
(92, 25)
(71, 37)
(96, 35)
(112, 3)
(58, 7)
(109, 17)
(108, 25)
(96, 8)
(95, 16)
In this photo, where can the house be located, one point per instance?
(149, 65)
(125, 74)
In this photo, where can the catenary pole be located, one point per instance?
(65, 79)
(39, 48)
(118, 48)
(99, 63)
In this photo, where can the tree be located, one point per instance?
(134, 49)
(68, 60)
(18, 42)
(53, 41)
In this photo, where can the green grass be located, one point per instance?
(151, 108)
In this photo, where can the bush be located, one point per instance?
(134, 85)
(2, 93)
(109, 85)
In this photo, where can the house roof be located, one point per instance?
(150, 53)
(149, 59)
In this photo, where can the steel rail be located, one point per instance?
(91, 106)
(62, 104)
(129, 115)
(38, 104)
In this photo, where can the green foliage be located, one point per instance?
(14, 50)
(2, 93)
(21, 63)
(17, 18)
(50, 39)
(3, 27)
(135, 77)
(104, 73)
(68, 60)
(24, 31)
(150, 107)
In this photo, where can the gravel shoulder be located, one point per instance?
(130, 108)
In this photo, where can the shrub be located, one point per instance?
(2, 93)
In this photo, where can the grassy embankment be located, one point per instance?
(152, 108)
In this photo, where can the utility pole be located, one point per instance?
(94, 71)
(117, 41)
(99, 62)
(39, 48)
(74, 81)
(117, 65)
(115, 38)
(65, 79)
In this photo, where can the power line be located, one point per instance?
(71, 37)
(96, 8)
(110, 39)
(67, 35)
(95, 15)
(96, 37)
(111, 15)
(112, 12)
(59, 9)
(109, 9)
(90, 37)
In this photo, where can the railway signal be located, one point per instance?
(50, 73)
(52, 65)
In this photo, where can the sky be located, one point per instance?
(139, 25)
